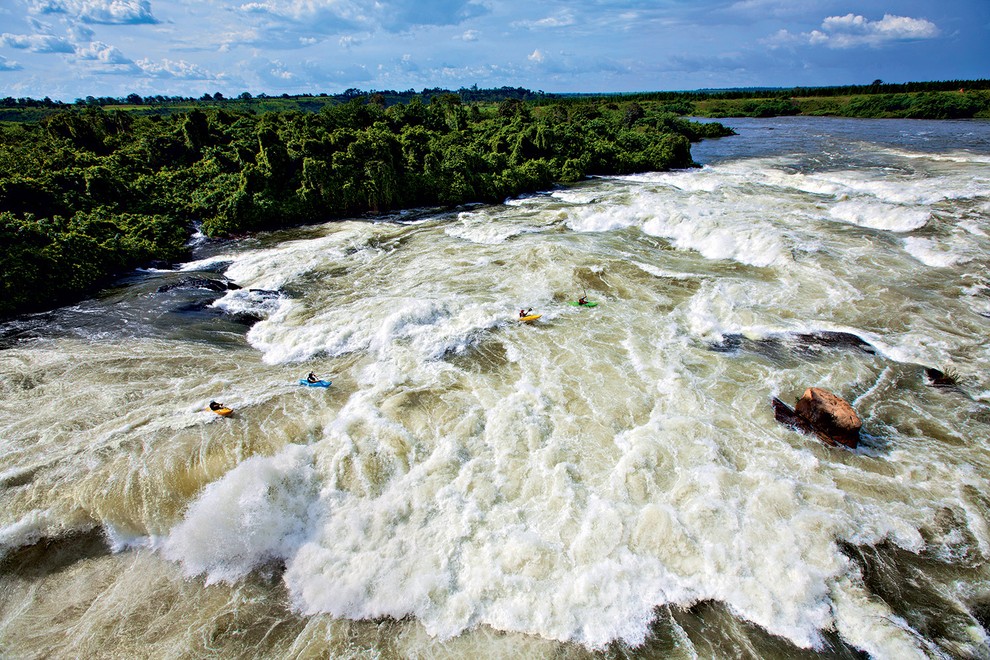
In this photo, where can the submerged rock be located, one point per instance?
(266, 293)
(199, 283)
(826, 415)
(796, 342)
(834, 339)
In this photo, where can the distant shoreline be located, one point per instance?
(949, 99)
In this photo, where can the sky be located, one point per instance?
(69, 49)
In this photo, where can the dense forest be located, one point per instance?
(86, 193)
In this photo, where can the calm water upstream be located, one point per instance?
(601, 482)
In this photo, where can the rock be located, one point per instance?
(833, 339)
(265, 293)
(830, 416)
(801, 342)
(199, 283)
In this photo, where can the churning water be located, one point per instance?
(605, 480)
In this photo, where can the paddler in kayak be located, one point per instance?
(216, 406)
(525, 312)
(312, 378)
(583, 300)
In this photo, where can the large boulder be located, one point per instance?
(830, 416)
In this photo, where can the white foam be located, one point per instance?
(479, 228)
(755, 245)
(259, 512)
(660, 272)
(256, 303)
(602, 218)
(30, 528)
(584, 195)
(878, 215)
(434, 328)
(933, 254)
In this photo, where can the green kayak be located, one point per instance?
(587, 304)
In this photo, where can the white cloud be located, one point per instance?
(230, 40)
(80, 33)
(105, 54)
(37, 43)
(536, 56)
(279, 70)
(112, 12)
(853, 30)
(469, 35)
(562, 19)
(9, 65)
(173, 69)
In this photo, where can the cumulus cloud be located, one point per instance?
(37, 43)
(852, 30)
(536, 56)
(179, 69)
(469, 35)
(111, 12)
(110, 58)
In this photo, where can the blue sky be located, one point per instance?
(68, 49)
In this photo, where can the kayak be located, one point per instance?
(531, 317)
(223, 412)
(319, 383)
(587, 304)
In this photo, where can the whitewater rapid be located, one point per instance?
(573, 480)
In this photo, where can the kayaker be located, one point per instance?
(583, 300)
(312, 377)
(215, 406)
(525, 312)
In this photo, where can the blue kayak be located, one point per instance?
(319, 383)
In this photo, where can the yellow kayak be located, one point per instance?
(531, 317)
(223, 412)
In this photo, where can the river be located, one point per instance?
(602, 482)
